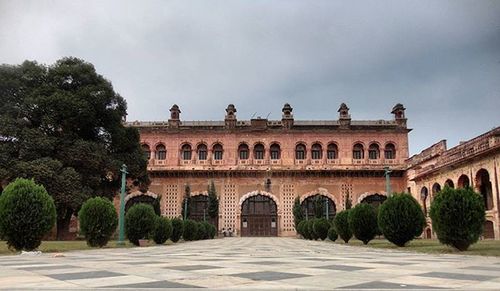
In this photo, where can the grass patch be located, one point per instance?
(432, 246)
(64, 246)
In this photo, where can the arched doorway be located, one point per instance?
(146, 199)
(198, 207)
(488, 230)
(318, 205)
(449, 183)
(463, 182)
(259, 216)
(483, 185)
(374, 200)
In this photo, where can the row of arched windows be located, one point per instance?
(301, 152)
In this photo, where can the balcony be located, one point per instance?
(358, 161)
(244, 162)
(260, 162)
(302, 162)
(158, 162)
(333, 161)
(217, 162)
(275, 162)
(186, 162)
(317, 162)
(202, 162)
(374, 162)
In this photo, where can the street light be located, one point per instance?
(121, 235)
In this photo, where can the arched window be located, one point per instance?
(358, 152)
(217, 151)
(300, 152)
(390, 151)
(463, 181)
(424, 193)
(435, 188)
(449, 183)
(316, 151)
(332, 151)
(373, 152)
(146, 150)
(483, 184)
(186, 152)
(258, 151)
(202, 152)
(161, 152)
(243, 151)
(275, 152)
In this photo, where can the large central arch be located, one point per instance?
(259, 214)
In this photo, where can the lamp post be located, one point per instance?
(387, 175)
(121, 235)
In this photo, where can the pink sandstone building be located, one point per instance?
(260, 166)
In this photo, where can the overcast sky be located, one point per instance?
(441, 59)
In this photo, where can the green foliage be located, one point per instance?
(319, 206)
(307, 230)
(401, 219)
(62, 126)
(212, 231)
(186, 203)
(140, 222)
(27, 213)
(298, 214)
(190, 230)
(332, 234)
(341, 225)
(177, 229)
(162, 230)
(203, 230)
(321, 227)
(98, 221)
(363, 222)
(310, 229)
(213, 201)
(458, 216)
(301, 228)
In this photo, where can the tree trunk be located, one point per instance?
(63, 225)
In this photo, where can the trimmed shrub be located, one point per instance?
(177, 229)
(212, 231)
(203, 229)
(27, 213)
(363, 222)
(457, 217)
(332, 234)
(162, 231)
(300, 228)
(98, 221)
(341, 225)
(190, 230)
(320, 227)
(310, 229)
(306, 233)
(140, 222)
(401, 219)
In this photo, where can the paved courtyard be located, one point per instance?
(249, 263)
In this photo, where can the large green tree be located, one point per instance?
(213, 201)
(62, 125)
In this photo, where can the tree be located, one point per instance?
(98, 221)
(348, 202)
(62, 126)
(458, 217)
(341, 224)
(400, 218)
(186, 202)
(27, 213)
(319, 206)
(298, 213)
(213, 201)
(363, 222)
(140, 222)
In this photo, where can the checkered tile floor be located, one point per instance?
(249, 263)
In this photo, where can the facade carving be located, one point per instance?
(263, 164)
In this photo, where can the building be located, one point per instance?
(473, 163)
(260, 166)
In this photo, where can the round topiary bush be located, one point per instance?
(310, 229)
(305, 230)
(98, 221)
(341, 225)
(177, 229)
(300, 228)
(332, 234)
(458, 216)
(363, 222)
(212, 231)
(162, 231)
(140, 222)
(321, 227)
(401, 219)
(190, 230)
(203, 230)
(27, 213)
